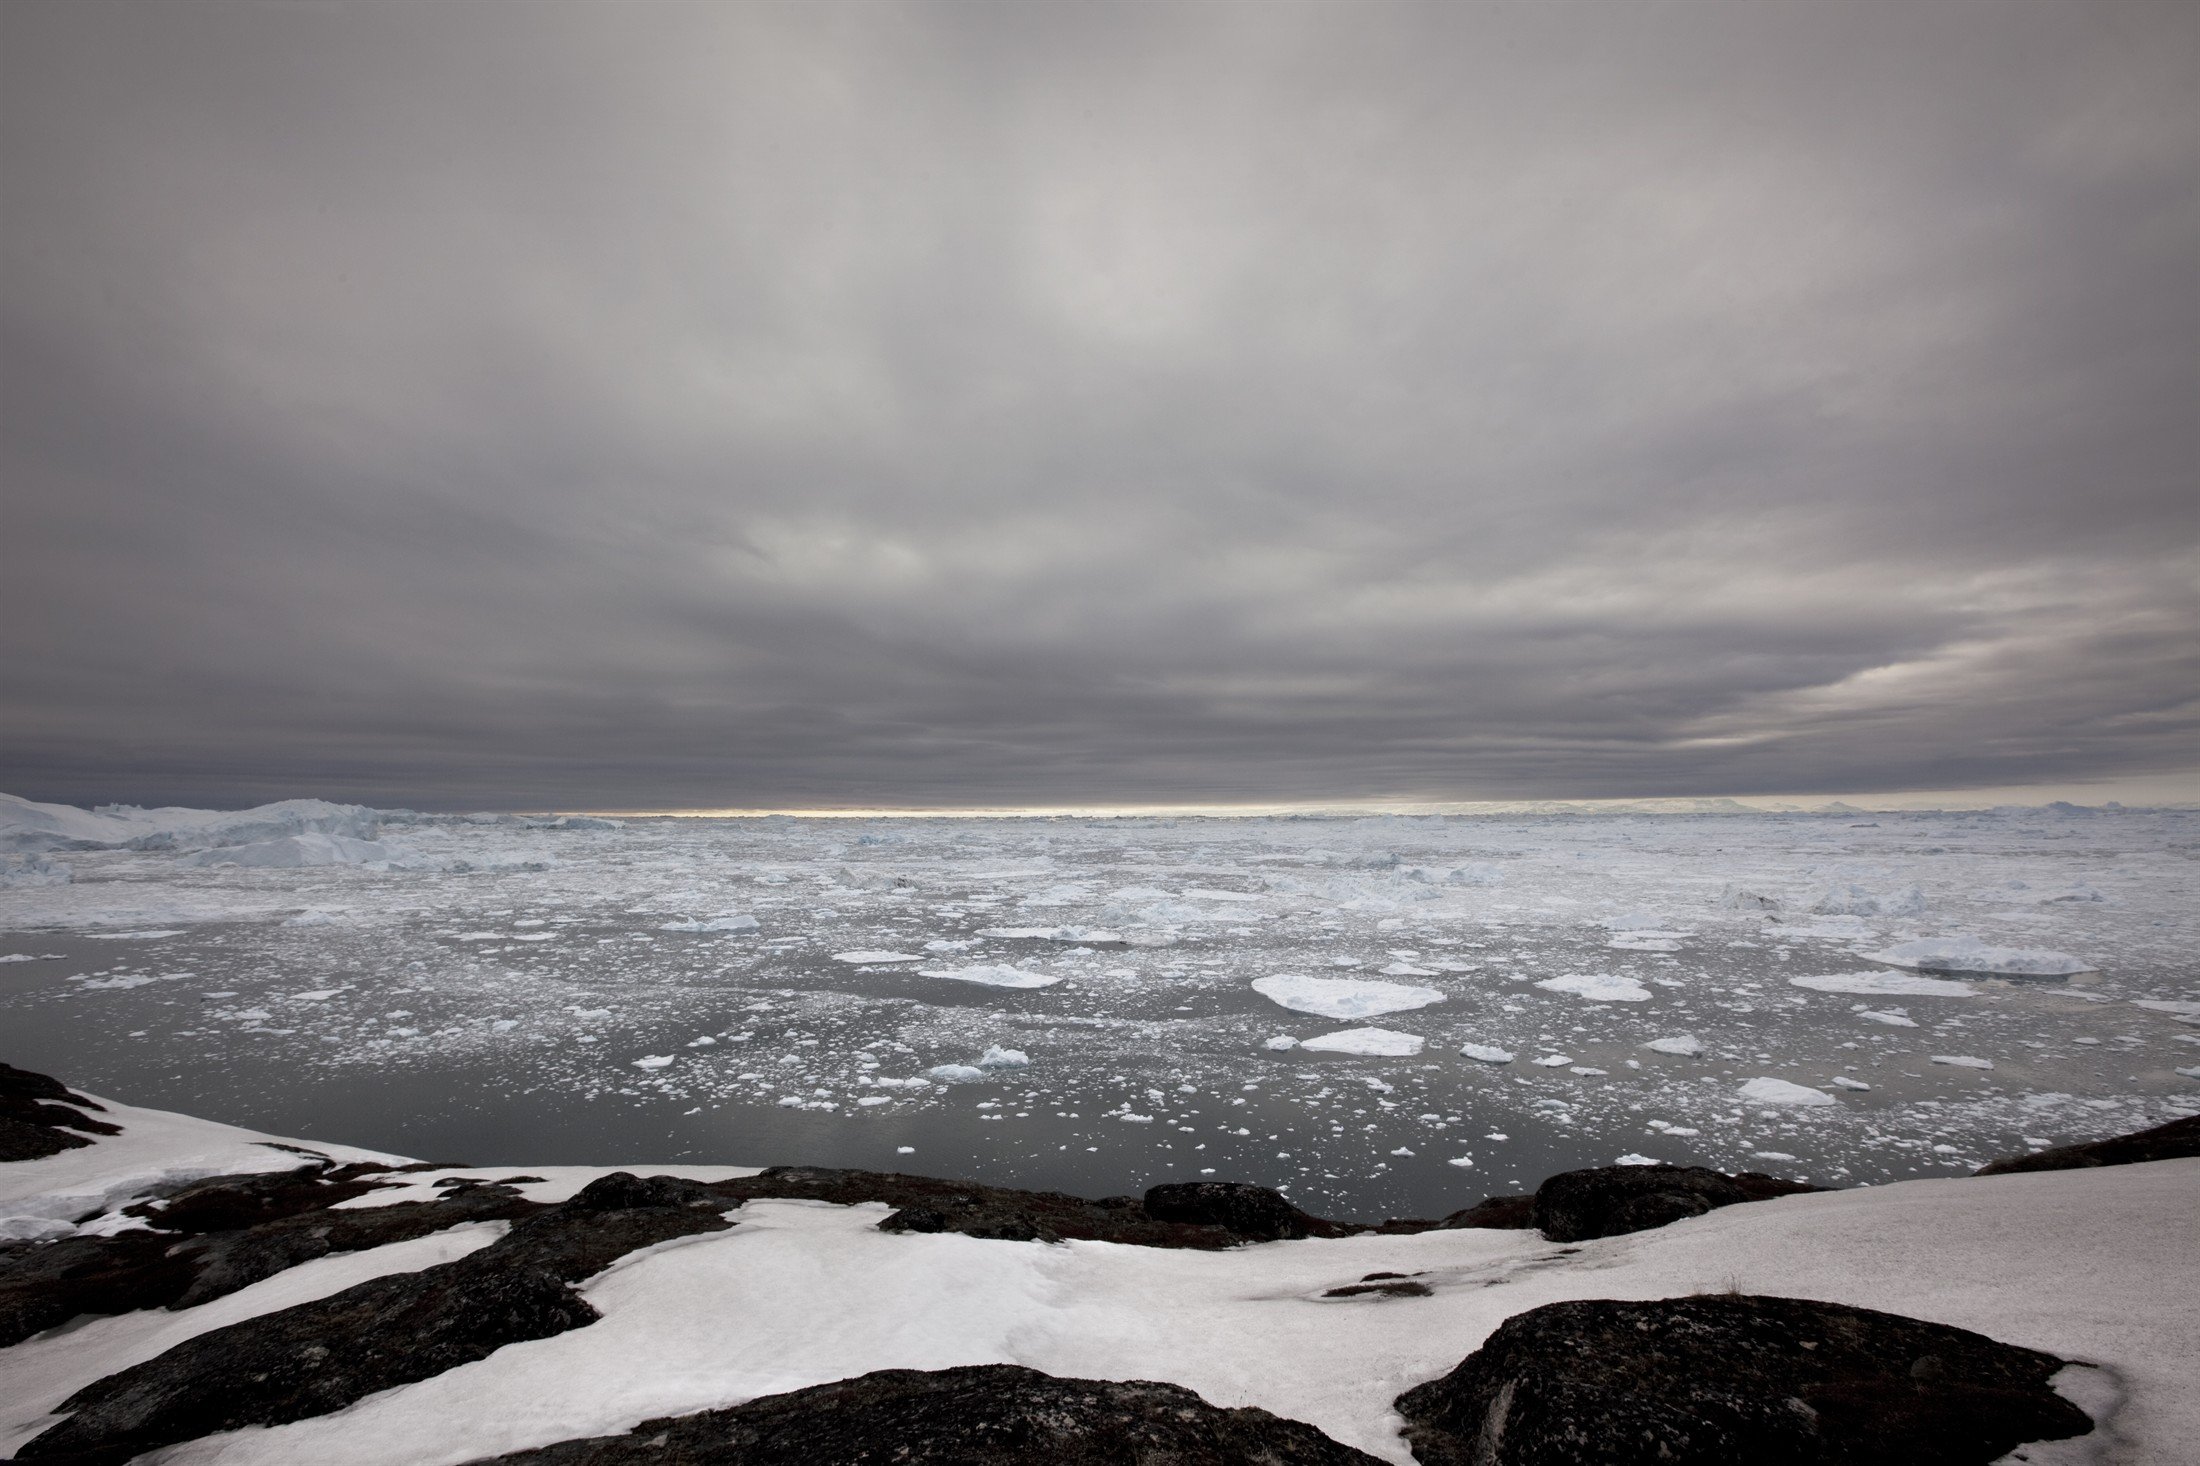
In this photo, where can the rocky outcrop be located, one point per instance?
(321, 1356)
(1732, 1380)
(214, 1237)
(979, 1415)
(1606, 1201)
(1202, 1215)
(2174, 1141)
(40, 1116)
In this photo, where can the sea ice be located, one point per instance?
(868, 958)
(1684, 1045)
(1343, 997)
(993, 976)
(714, 924)
(1962, 1061)
(1969, 954)
(1598, 988)
(1883, 984)
(1487, 1053)
(653, 1061)
(1385, 1043)
(1767, 1091)
(997, 1057)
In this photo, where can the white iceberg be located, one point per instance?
(1681, 1045)
(1486, 1053)
(1386, 1043)
(1883, 984)
(1597, 987)
(1343, 997)
(1969, 954)
(993, 976)
(1780, 1092)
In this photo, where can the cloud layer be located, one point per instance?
(690, 404)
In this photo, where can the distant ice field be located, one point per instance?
(837, 992)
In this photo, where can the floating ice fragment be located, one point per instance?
(1463, 1162)
(1372, 1042)
(1486, 1053)
(713, 924)
(1633, 1158)
(1555, 1061)
(1962, 1061)
(956, 1073)
(1842, 1081)
(1767, 1091)
(1282, 1041)
(1892, 1017)
(869, 958)
(1969, 954)
(1681, 1045)
(653, 1061)
(1883, 983)
(1343, 997)
(995, 977)
(1598, 988)
(1000, 1058)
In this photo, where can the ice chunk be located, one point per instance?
(1385, 1043)
(1892, 1017)
(1842, 1081)
(653, 1061)
(1767, 1091)
(1554, 1061)
(1883, 984)
(876, 957)
(714, 924)
(993, 976)
(1734, 898)
(1963, 1061)
(313, 848)
(1281, 1041)
(1084, 934)
(1852, 900)
(1598, 987)
(1969, 954)
(1486, 1053)
(1343, 997)
(957, 1073)
(1683, 1045)
(1000, 1058)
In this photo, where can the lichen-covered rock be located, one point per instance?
(2174, 1141)
(1734, 1380)
(979, 1415)
(1606, 1201)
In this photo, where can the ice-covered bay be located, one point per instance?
(757, 991)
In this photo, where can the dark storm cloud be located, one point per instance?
(688, 405)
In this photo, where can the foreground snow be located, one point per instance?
(2091, 1265)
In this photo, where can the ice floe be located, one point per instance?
(1343, 997)
(1597, 987)
(1969, 954)
(1385, 1043)
(1769, 1091)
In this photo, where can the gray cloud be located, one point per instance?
(692, 405)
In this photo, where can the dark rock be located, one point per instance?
(1248, 1211)
(1733, 1380)
(1494, 1211)
(1605, 1201)
(41, 1116)
(979, 1415)
(1201, 1215)
(2174, 1141)
(1383, 1285)
(321, 1356)
(214, 1237)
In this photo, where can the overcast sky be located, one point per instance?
(645, 405)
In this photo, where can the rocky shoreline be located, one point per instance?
(1701, 1378)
